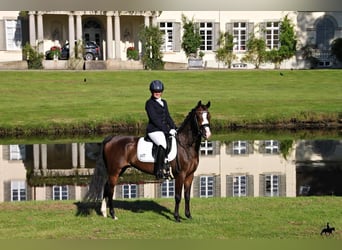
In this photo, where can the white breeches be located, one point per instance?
(158, 138)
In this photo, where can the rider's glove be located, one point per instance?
(173, 132)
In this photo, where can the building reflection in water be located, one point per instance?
(227, 169)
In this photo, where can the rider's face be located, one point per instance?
(157, 94)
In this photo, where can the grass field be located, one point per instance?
(213, 218)
(48, 99)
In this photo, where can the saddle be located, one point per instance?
(147, 150)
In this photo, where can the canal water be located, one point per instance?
(257, 164)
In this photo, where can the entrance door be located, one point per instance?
(92, 32)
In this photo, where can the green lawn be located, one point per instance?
(49, 99)
(213, 218)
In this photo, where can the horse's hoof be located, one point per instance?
(115, 218)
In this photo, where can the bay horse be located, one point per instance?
(120, 152)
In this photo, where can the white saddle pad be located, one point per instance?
(145, 150)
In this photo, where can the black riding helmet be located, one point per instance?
(156, 86)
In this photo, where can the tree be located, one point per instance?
(336, 49)
(191, 40)
(152, 40)
(256, 51)
(225, 51)
(288, 42)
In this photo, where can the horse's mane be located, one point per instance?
(187, 119)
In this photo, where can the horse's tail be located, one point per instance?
(99, 178)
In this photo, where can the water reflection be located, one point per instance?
(232, 168)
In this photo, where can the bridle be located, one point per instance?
(201, 128)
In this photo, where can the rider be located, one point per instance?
(160, 125)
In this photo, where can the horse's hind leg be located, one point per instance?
(111, 185)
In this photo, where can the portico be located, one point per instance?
(114, 31)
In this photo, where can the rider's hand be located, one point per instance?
(173, 132)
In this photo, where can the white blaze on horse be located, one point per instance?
(120, 152)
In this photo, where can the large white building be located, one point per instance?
(115, 31)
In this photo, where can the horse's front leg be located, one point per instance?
(187, 189)
(178, 195)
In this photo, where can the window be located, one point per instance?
(240, 36)
(13, 34)
(167, 29)
(206, 186)
(17, 152)
(272, 185)
(18, 190)
(60, 193)
(168, 189)
(272, 35)
(129, 191)
(207, 148)
(206, 31)
(271, 147)
(240, 147)
(240, 185)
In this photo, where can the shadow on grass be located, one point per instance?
(137, 206)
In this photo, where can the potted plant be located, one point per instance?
(191, 41)
(55, 52)
(132, 53)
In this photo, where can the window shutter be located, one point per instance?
(262, 185)
(216, 36)
(250, 147)
(157, 190)
(72, 192)
(7, 191)
(282, 185)
(229, 186)
(229, 28)
(140, 191)
(49, 192)
(262, 148)
(118, 191)
(262, 31)
(176, 37)
(229, 148)
(196, 186)
(250, 185)
(250, 30)
(216, 147)
(217, 183)
(3, 37)
(5, 152)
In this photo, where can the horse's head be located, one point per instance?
(203, 119)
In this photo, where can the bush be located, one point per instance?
(33, 57)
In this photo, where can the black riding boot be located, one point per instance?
(160, 163)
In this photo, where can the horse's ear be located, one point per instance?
(208, 104)
(199, 103)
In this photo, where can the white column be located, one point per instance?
(154, 21)
(36, 157)
(79, 33)
(147, 20)
(81, 149)
(79, 26)
(40, 32)
(74, 155)
(117, 35)
(43, 156)
(109, 35)
(71, 36)
(32, 28)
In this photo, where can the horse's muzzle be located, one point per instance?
(207, 133)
